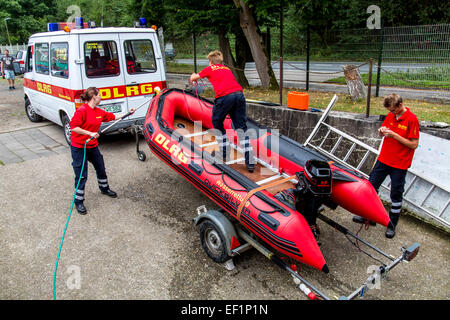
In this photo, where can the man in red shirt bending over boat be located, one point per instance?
(400, 130)
(229, 100)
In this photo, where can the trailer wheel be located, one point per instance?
(213, 242)
(141, 156)
(31, 114)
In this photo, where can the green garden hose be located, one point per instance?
(67, 222)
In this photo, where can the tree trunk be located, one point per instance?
(243, 55)
(354, 83)
(224, 44)
(254, 38)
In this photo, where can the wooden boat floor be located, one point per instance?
(185, 127)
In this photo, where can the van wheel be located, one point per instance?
(66, 127)
(31, 114)
(213, 242)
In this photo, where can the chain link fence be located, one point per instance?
(13, 49)
(408, 56)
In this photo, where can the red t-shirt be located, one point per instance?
(90, 119)
(393, 153)
(221, 78)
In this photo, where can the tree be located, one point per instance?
(182, 18)
(252, 33)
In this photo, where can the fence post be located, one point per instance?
(308, 42)
(379, 59)
(281, 53)
(195, 52)
(369, 88)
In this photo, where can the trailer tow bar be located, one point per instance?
(272, 257)
(407, 255)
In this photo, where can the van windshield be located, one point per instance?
(101, 59)
(140, 56)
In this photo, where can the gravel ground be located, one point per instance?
(143, 244)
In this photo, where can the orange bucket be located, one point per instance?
(298, 100)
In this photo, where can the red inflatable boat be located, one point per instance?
(178, 129)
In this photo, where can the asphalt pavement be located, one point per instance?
(143, 245)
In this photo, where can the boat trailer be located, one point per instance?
(221, 240)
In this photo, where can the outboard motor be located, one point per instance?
(312, 190)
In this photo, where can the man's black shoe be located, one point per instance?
(80, 208)
(390, 232)
(251, 168)
(110, 193)
(362, 220)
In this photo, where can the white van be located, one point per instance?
(125, 64)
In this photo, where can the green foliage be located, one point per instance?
(31, 16)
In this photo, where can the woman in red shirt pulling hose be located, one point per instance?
(229, 100)
(84, 125)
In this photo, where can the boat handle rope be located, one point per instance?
(253, 191)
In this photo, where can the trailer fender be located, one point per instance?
(222, 223)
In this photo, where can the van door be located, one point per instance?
(144, 72)
(40, 79)
(61, 75)
(29, 84)
(103, 69)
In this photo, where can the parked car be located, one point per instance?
(170, 51)
(20, 58)
(18, 68)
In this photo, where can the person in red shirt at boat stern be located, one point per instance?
(400, 130)
(84, 125)
(229, 100)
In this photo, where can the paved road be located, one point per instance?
(426, 95)
(143, 245)
(294, 76)
(325, 67)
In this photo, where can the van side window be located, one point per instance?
(41, 58)
(101, 59)
(139, 56)
(29, 59)
(59, 59)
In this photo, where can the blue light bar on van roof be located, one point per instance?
(79, 23)
(52, 26)
(143, 22)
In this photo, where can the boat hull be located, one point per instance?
(176, 120)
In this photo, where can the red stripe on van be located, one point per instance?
(107, 93)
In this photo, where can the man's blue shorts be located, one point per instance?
(9, 74)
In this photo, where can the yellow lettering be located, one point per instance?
(174, 149)
(132, 91)
(160, 138)
(116, 93)
(105, 93)
(47, 88)
(182, 158)
(165, 145)
(146, 88)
